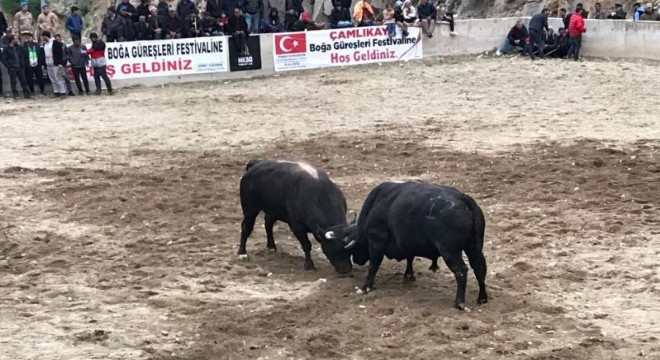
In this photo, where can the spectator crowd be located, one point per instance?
(541, 40)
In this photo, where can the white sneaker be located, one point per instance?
(498, 53)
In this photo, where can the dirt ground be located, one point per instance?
(119, 216)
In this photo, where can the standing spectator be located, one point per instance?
(565, 17)
(156, 24)
(292, 11)
(126, 10)
(238, 29)
(215, 8)
(575, 31)
(618, 13)
(23, 21)
(537, 27)
(3, 23)
(35, 64)
(649, 14)
(363, 13)
(599, 13)
(340, 17)
(185, 8)
(13, 56)
(638, 11)
(99, 64)
(47, 20)
(143, 30)
(427, 15)
(579, 8)
(273, 24)
(66, 56)
(516, 37)
(79, 60)
(54, 51)
(143, 9)
(388, 20)
(163, 8)
(74, 23)
(174, 26)
(252, 10)
(113, 26)
(445, 15)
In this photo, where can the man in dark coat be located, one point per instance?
(15, 60)
(238, 29)
(537, 28)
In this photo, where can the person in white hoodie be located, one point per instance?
(55, 63)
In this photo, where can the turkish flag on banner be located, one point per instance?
(290, 43)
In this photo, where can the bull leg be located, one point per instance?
(301, 235)
(268, 224)
(434, 265)
(409, 275)
(249, 217)
(478, 265)
(375, 259)
(457, 266)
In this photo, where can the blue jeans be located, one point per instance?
(252, 21)
(391, 29)
(508, 44)
(341, 25)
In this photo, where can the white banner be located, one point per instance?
(350, 46)
(140, 59)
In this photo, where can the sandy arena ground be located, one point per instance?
(119, 216)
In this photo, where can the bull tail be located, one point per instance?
(251, 163)
(478, 224)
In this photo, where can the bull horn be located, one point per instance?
(330, 235)
(350, 245)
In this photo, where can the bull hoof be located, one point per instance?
(309, 266)
(460, 306)
(434, 267)
(363, 290)
(242, 257)
(272, 249)
(409, 278)
(482, 300)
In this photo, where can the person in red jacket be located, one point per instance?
(575, 31)
(97, 57)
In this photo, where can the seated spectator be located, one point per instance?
(562, 44)
(292, 11)
(156, 24)
(618, 13)
(113, 26)
(550, 41)
(599, 13)
(363, 13)
(409, 13)
(649, 14)
(306, 24)
(173, 25)
(126, 10)
(193, 26)
(221, 24)
(237, 27)
(444, 15)
(215, 8)
(399, 18)
(143, 9)
(163, 8)
(388, 20)
(143, 30)
(272, 23)
(426, 13)
(516, 37)
(340, 17)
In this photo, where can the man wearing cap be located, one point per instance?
(74, 23)
(126, 10)
(618, 13)
(23, 21)
(537, 27)
(47, 20)
(174, 26)
(649, 14)
(112, 26)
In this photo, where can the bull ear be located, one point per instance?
(330, 235)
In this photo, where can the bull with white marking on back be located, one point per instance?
(299, 195)
(409, 219)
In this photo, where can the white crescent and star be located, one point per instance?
(284, 48)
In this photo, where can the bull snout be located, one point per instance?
(344, 269)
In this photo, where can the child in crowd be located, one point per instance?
(388, 20)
